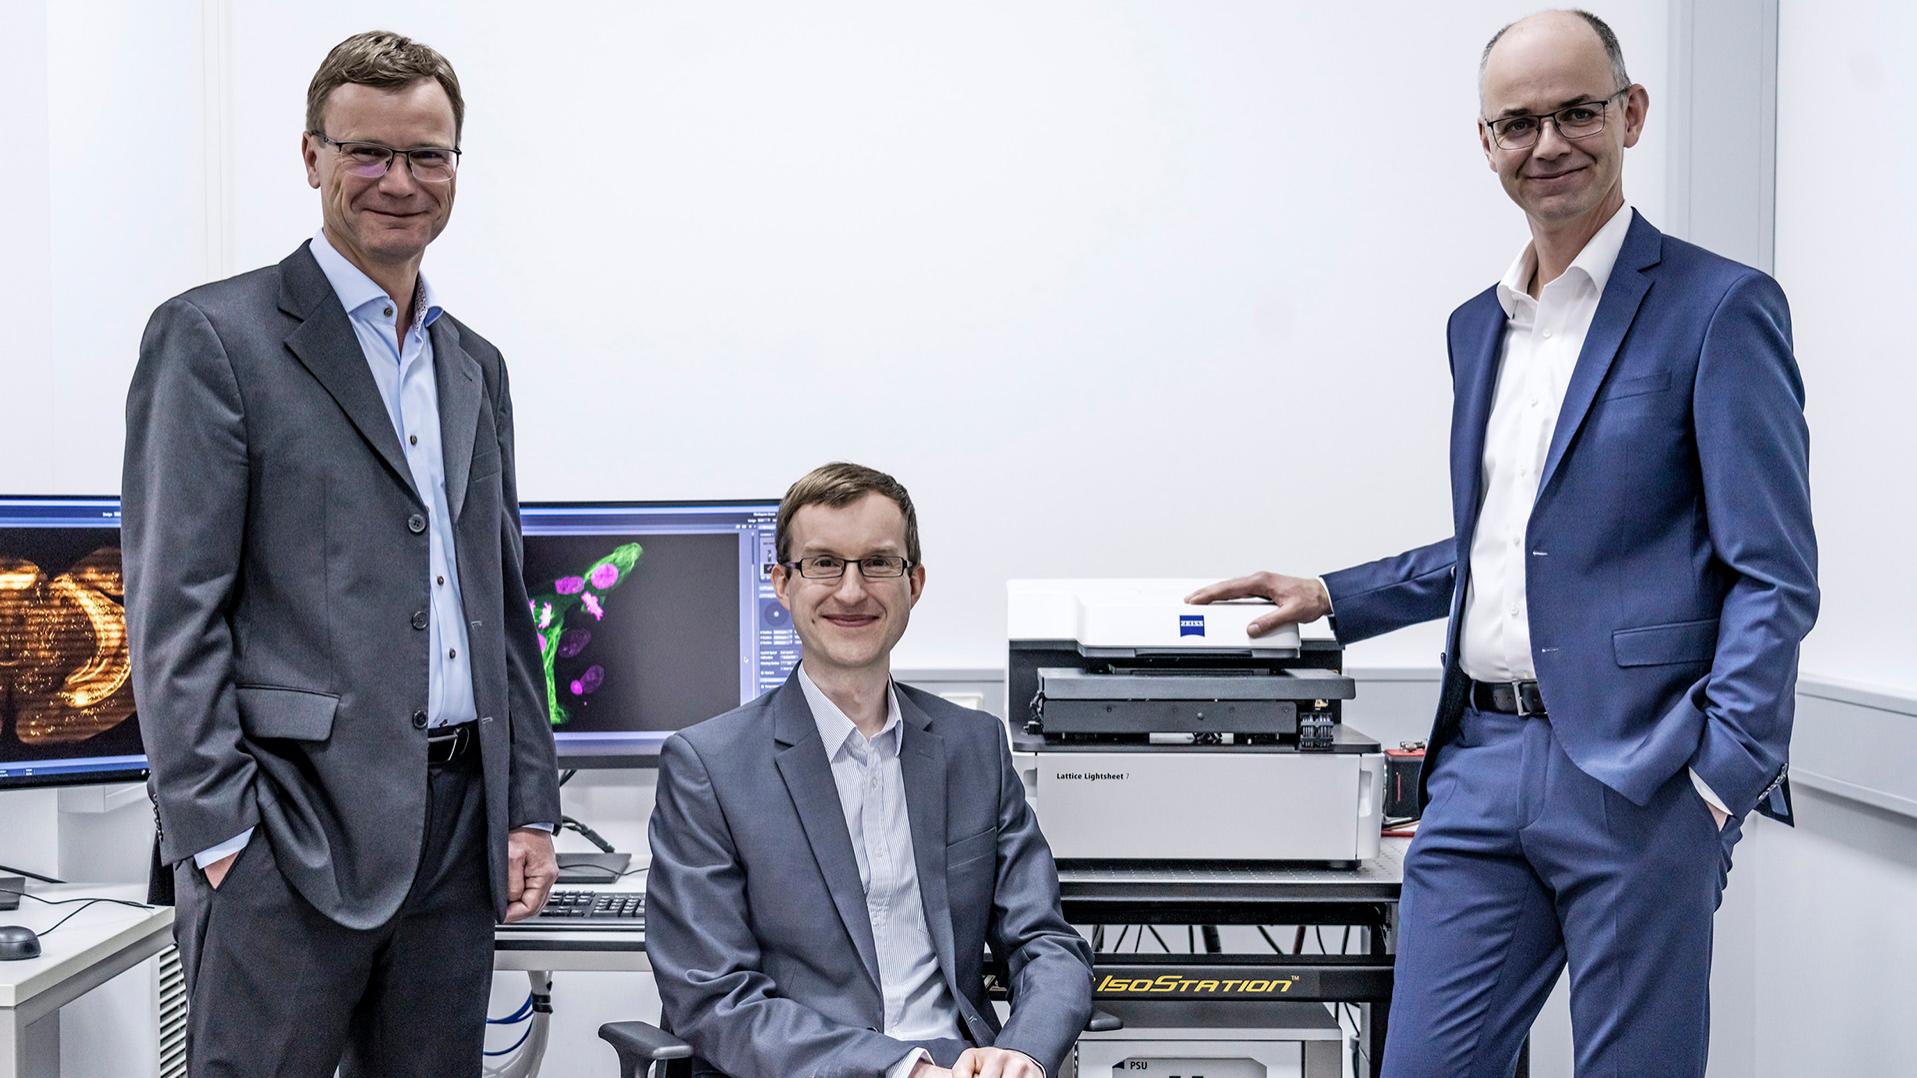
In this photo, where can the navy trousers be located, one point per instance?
(1523, 864)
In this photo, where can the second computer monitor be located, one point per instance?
(651, 616)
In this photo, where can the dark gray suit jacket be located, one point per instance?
(277, 589)
(756, 924)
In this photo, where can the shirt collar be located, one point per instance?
(356, 291)
(1595, 262)
(835, 729)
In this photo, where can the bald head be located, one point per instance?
(1558, 31)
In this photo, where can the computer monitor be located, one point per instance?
(651, 616)
(66, 687)
(658, 615)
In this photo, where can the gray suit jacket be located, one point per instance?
(276, 584)
(756, 925)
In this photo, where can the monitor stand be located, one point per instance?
(592, 867)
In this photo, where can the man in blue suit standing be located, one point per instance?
(1632, 570)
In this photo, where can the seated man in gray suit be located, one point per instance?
(830, 860)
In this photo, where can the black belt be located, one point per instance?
(1510, 697)
(448, 744)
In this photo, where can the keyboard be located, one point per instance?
(591, 909)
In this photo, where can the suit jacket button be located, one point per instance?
(419, 619)
(419, 718)
(417, 523)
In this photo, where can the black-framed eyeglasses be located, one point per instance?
(372, 160)
(832, 567)
(1580, 120)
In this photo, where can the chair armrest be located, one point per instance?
(1104, 1022)
(640, 1044)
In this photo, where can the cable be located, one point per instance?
(524, 1012)
(566, 775)
(515, 1045)
(1274, 943)
(84, 903)
(567, 823)
(1161, 940)
(10, 870)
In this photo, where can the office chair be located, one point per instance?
(643, 1046)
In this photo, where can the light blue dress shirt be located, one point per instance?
(403, 370)
(918, 1005)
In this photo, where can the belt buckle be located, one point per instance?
(1524, 711)
(446, 745)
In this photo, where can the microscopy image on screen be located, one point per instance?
(66, 690)
(637, 634)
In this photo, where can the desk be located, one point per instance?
(550, 950)
(101, 943)
(540, 952)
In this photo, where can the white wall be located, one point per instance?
(1846, 228)
(1115, 288)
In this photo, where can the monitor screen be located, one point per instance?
(651, 616)
(66, 687)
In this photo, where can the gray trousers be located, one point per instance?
(278, 988)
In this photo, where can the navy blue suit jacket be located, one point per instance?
(1672, 568)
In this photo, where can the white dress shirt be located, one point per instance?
(1542, 340)
(918, 1005)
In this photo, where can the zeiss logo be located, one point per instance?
(1191, 625)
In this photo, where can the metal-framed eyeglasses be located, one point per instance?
(1579, 120)
(832, 567)
(372, 160)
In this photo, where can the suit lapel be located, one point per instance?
(1617, 308)
(922, 766)
(802, 763)
(460, 385)
(326, 345)
(1480, 341)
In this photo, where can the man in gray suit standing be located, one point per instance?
(830, 861)
(333, 653)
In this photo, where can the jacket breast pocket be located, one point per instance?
(1637, 387)
(1676, 642)
(294, 714)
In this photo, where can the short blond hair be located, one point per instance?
(387, 61)
(840, 484)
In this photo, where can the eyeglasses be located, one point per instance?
(372, 160)
(832, 567)
(1582, 120)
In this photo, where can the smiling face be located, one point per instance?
(850, 625)
(1541, 65)
(386, 221)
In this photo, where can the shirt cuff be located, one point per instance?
(1329, 612)
(904, 1066)
(546, 827)
(1709, 795)
(230, 846)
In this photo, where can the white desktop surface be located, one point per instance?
(99, 943)
(101, 934)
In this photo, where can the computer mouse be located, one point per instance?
(17, 943)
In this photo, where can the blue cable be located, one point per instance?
(524, 1012)
(514, 1047)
